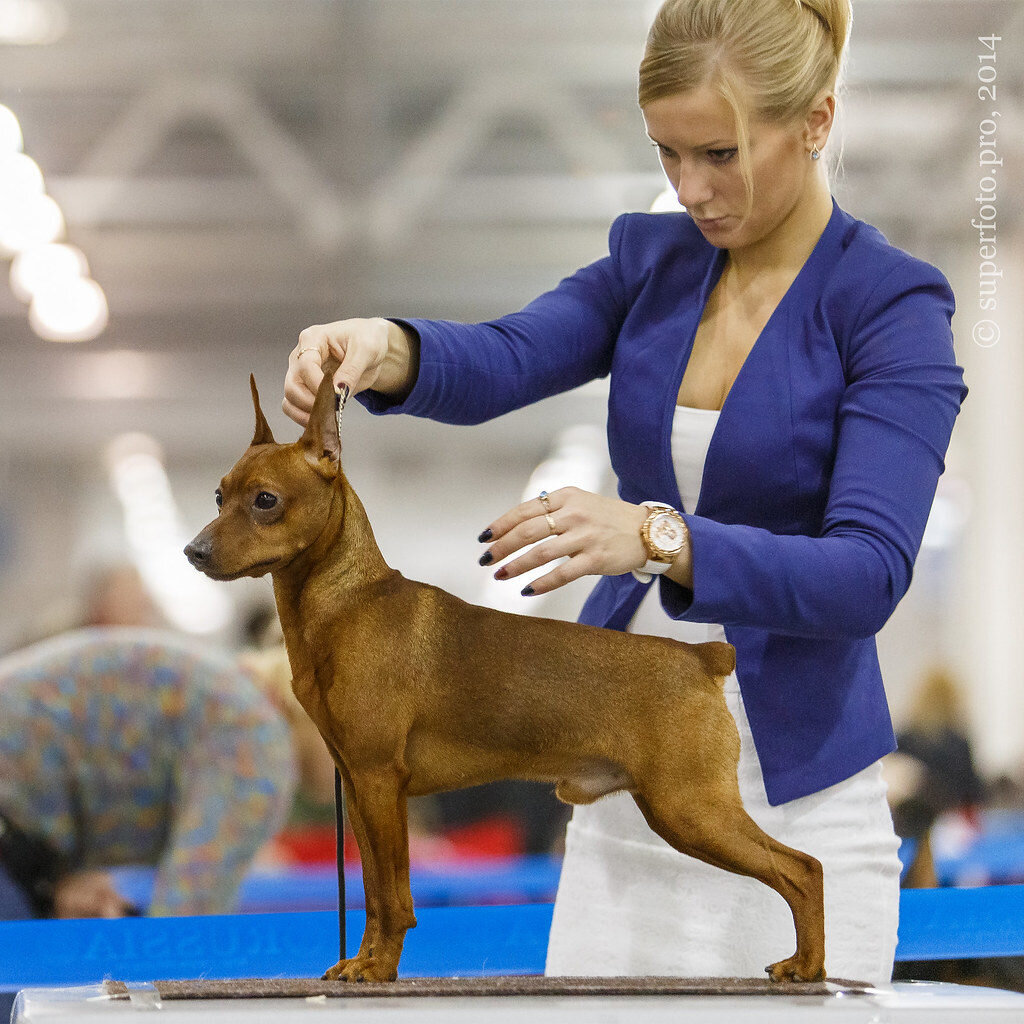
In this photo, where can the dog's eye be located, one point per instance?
(265, 500)
(219, 498)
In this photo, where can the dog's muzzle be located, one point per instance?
(198, 552)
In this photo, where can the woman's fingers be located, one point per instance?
(558, 577)
(507, 531)
(574, 566)
(535, 557)
(303, 378)
(595, 534)
(360, 347)
(523, 525)
(577, 564)
(301, 383)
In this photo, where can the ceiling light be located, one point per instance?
(74, 310)
(66, 305)
(118, 374)
(31, 22)
(36, 221)
(43, 266)
(19, 176)
(11, 139)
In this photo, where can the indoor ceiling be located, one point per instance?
(235, 170)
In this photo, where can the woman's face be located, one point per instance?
(696, 138)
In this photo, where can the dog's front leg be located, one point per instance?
(371, 887)
(378, 803)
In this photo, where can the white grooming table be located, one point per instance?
(904, 1003)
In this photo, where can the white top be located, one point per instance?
(691, 435)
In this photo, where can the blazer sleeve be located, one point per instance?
(903, 392)
(470, 373)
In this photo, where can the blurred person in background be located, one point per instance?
(115, 595)
(937, 797)
(936, 737)
(783, 384)
(104, 594)
(127, 746)
(932, 776)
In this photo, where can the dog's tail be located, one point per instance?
(719, 659)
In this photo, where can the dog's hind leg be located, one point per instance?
(401, 850)
(723, 834)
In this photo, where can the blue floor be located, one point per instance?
(934, 924)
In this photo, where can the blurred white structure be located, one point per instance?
(155, 536)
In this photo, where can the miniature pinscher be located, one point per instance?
(415, 691)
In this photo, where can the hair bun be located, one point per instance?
(836, 17)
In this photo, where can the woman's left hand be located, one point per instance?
(599, 536)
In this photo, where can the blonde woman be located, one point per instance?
(783, 379)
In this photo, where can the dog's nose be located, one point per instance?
(198, 552)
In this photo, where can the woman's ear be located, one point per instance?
(819, 120)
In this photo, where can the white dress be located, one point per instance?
(629, 904)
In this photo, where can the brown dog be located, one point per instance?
(415, 691)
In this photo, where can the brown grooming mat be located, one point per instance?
(514, 985)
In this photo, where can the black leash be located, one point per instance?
(340, 398)
(339, 823)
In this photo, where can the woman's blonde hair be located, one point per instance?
(768, 59)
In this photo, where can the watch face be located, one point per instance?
(666, 532)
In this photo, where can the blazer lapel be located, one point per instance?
(750, 473)
(668, 484)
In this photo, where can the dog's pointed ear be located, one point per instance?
(262, 434)
(320, 438)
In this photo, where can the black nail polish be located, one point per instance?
(486, 558)
(527, 591)
(485, 536)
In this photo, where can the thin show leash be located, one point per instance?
(340, 398)
(339, 826)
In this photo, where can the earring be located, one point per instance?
(815, 155)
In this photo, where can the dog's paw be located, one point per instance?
(797, 969)
(362, 968)
(334, 973)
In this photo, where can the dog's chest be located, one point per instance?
(307, 693)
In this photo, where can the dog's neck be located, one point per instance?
(328, 579)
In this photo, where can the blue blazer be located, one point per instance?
(820, 473)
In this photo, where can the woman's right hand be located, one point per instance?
(89, 893)
(373, 353)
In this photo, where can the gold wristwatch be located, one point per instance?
(664, 535)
